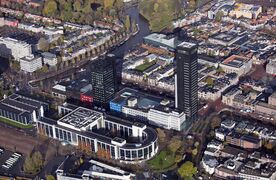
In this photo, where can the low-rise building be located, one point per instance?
(22, 109)
(161, 40)
(249, 11)
(237, 64)
(49, 58)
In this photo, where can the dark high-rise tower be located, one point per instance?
(186, 86)
(103, 80)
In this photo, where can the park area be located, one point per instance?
(169, 157)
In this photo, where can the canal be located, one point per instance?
(133, 12)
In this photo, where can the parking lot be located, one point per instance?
(11, 163)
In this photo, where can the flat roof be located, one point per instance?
(81, 117)
(235, 61)
(144, 100)
(187, 45)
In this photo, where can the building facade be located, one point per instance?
(30, 63)
(103, 80)
(13, 48)
(186, 87)
(22, 109)
(102, 134)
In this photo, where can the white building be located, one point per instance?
(49, 58)
(167, 119)
(13, 48)
(209, 164)
(30, 63)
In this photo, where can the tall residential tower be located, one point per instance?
(186, 87)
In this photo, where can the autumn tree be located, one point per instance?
(43, 44)
(187, 170)
(50, 8)
(127, 23)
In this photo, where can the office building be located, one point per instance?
(30, 63)
(22, 109)
(105, 135)
(103, 80)
(186, 87)
(13, 48)
(148, 108)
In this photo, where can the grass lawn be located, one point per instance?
(162, 161)
(144, 66)
(15, 124)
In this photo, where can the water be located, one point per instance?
(133, 41)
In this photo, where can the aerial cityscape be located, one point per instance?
(138, 89)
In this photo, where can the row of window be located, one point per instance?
(15, 117)
(145, 152)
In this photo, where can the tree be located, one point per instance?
(187, 170)
(215, 122)
(37, 159)
(210, 81)
(155, 7)
(219, 15)
(50, 177)
(78, 5)
(134, 26)
(220, 70)
(29, 165)
(43, 44)
(108, 3)
(161, 135)
(50, 8)
(127, 23)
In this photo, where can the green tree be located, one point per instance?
(210, 81)
(108, 3)
(50, 8)
(50, 177)
(219, 15)
(78, 5)
(127, 23)
(187, 170)
(155, 7)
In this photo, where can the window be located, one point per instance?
(127, 154)
(134, 154)
(122, 153)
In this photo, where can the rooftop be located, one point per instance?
(81, 118)
(235, 61)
